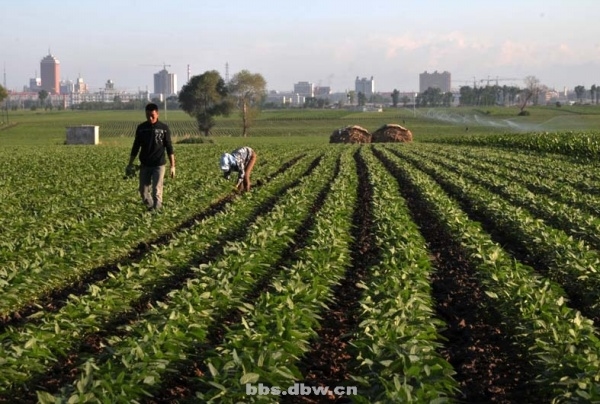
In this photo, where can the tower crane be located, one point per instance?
(497, 79)
(506, 79)
(164, 66)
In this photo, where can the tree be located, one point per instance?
(351, 96)
(204, 97)
(580, 91)
(248, 91)
(3, 93)
(362, 99)
(530, 92)
(42, 95)
(395, 97)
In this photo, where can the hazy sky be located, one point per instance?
(326, 42)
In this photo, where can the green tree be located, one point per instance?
(205, 97)
(405, 100)
(42, 95)
(3, 93)
(432, 97)
(395, 97)
(580, 91)
(248, 91)
(362, 99)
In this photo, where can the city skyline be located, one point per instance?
(326, 43)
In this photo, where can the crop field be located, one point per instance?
(451, 269)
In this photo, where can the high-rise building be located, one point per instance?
(365, 86)
(434, 80)
(304, 89)
(80, 86)
(165, 83)
(35, 85)
(50, 74)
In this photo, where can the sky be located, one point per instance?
(325, 42)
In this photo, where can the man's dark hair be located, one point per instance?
(152, 107)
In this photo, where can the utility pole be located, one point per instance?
(415, 106)
(6, 102)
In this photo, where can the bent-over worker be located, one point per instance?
(241, 160)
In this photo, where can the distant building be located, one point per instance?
(365, 86)
(435, 80)
(322, 92)
(304, 89)
(165, 83)
(35, 85)
(67, 87)
(80, 86)
(50, 74)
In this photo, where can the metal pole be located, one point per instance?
(415, 105)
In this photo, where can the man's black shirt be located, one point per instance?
(153, 140)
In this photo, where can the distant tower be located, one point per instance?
(435, 80)
(189, 73)
(165, 83)
(226, 72)
(50, 74)
(365, 86)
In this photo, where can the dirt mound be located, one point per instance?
(392, 133)
(350, 134)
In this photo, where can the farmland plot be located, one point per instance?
(396, 273)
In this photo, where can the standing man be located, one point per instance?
(152, 141)
(241, 160)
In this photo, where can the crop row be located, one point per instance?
(571, 262)
(564, 346)
(576, 144)
(563, 181)
(104, 302)
(71, 236)
(168, 332)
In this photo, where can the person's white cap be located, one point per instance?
(226, 161)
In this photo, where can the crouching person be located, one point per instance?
(241, 161)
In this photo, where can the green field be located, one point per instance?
(48, 127)
(461, 267)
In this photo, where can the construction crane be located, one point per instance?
(497, 79)
(164, 66)
(466, 81)
(507, 79)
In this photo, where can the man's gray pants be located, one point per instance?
(151, 186)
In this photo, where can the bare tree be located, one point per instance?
(248, 91)
(530, 92)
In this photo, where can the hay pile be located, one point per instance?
(350, 134)
(392, 133)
